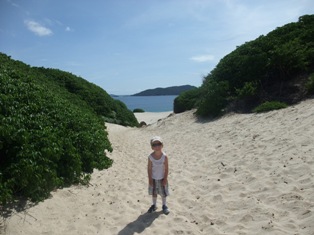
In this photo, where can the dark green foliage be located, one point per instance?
(186, 101)
(50, 137)
(138, 110)
(98, 99)
(272, 67)
(122, 115)
(213, 99)
(310, 84)
(249, 89)
(269, 106)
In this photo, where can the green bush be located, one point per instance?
(186, 100)
(124, 116)
(97, 99)
(269, 106)
(310, 84)
(213, 98)
(45, 141)
(137, 110)
(52, 133)
(248, 90)
(267, 68)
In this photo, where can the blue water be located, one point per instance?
(149, 103)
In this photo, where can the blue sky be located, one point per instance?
(126, 46)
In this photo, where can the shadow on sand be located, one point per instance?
(17, 207)
(140, 224)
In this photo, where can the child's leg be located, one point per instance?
(154, 199)
(164, 201)
(164, 206)
(153, 207)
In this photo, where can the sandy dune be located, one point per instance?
(150, 117)
(241, 174)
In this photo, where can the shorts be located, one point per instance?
(158, 188)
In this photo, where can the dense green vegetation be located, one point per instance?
(138, 110)
(186, 100)
(52, 131)
(310, 84)
(269, 105)
(276, 67)
(100, 101)
(173, 90)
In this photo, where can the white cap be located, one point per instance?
(156, 138)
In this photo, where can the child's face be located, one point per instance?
(156, 145)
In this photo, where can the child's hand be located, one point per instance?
(164, 182)
(150, 182)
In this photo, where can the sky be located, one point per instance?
(127, 46)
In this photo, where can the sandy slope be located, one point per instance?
(151, 117)
(241, 174)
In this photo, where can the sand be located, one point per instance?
(151, 117)
(240, 174)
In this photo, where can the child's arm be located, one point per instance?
(149, 172)
(165, 180)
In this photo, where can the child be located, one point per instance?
(157, 169)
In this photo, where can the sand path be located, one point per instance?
(241, 174)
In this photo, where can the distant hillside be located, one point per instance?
(174, 90)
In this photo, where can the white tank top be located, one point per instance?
(158, 167)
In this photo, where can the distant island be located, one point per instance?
(174, 90)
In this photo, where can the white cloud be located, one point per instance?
(203, 58)
(68, 29)
(37, 28)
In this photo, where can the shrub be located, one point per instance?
(310, 84)
(269, 106)
(214, 98)
(186, 101)
(124, 116)
(97, 99)
(249, 89)
(137, 110)
(48, 137)
(266, 68)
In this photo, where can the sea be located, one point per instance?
(162, 103)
